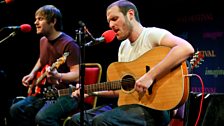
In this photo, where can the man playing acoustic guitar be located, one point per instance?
(138, 104)
(59, 64)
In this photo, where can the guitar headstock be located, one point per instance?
(197, 60)
(66, 54)
(60, 61)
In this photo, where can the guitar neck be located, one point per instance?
(114, 85)
(67, 91)
(45, 72)
(41, 78)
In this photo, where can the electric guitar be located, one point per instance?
(168, 92)
(40, 79)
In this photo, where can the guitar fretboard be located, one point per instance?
(93, 88)
(102, 86)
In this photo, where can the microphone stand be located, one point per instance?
(10, 35)
(80, 33)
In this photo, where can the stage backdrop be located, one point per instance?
(205, 32)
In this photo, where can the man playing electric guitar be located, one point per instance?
(54, 43)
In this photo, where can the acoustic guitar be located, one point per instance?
(168, 92)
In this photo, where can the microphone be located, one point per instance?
(107, 37)
(86, 30)
(23, 27)
(6, 1)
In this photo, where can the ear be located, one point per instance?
(131, 14)
(55, 20)
(52, 23)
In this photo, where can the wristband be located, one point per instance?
(60, 78)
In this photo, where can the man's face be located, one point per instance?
(42, 26)
(118, 22)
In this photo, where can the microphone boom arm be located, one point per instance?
(10, 35)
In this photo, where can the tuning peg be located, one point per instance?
(197, 52)
(193, 59)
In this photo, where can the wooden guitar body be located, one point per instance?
(167, 93)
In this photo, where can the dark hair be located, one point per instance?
(124, 6)
(51, 13)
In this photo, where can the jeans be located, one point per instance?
(89, 115)
(33, 110)
(126, 115)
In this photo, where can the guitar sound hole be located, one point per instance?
(128, 83)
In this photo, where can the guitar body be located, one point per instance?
(168, 92)
(34, 88)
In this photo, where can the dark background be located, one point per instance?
(198, 21)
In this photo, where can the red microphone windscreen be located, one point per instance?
(25, 28)
(8, 1)
(109, 36)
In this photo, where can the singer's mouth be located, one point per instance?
(116, 31)
(38, 27)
